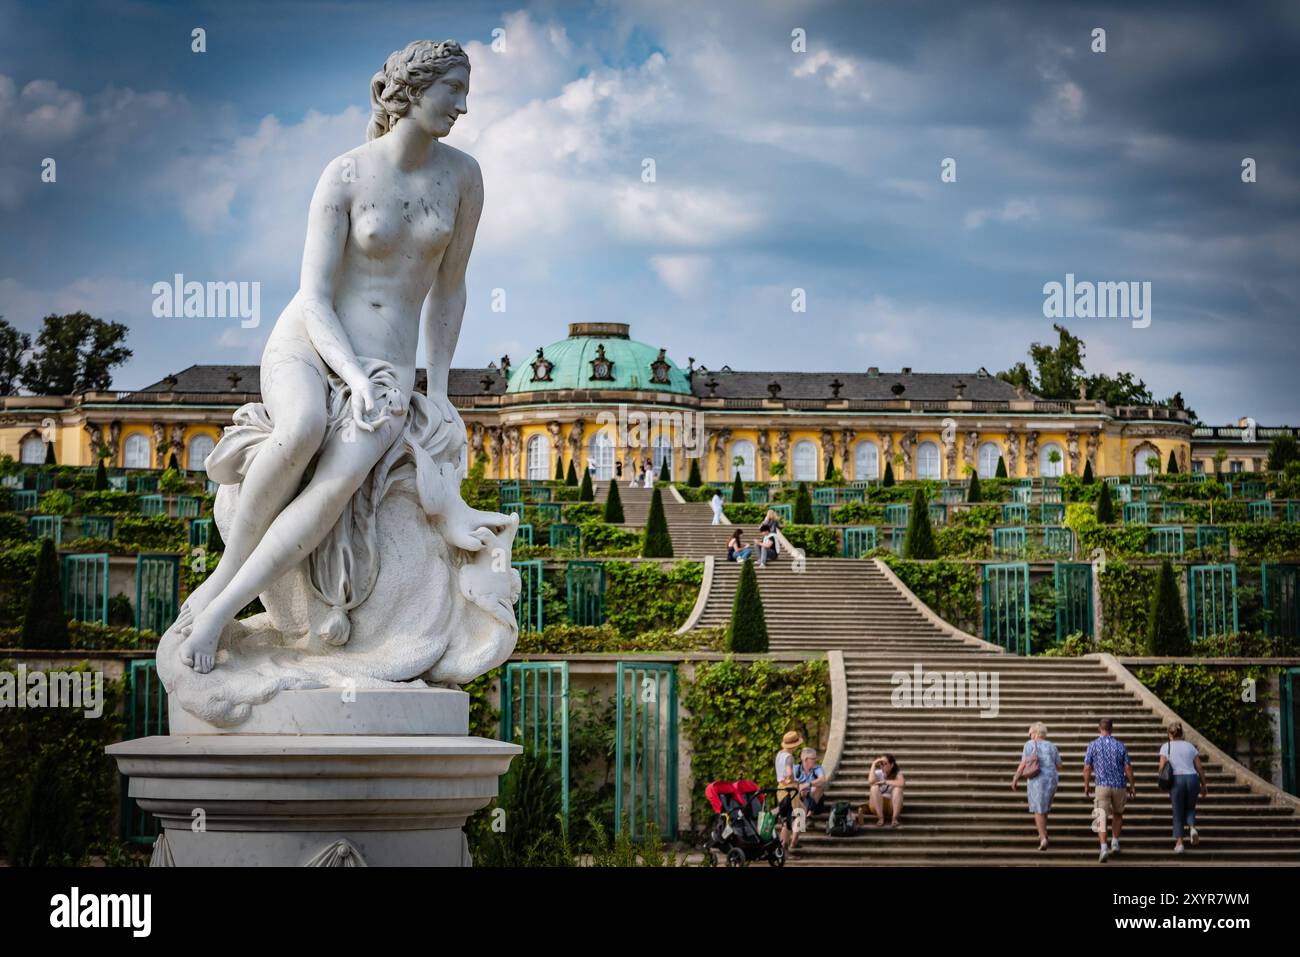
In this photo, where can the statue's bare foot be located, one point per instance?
(199, 650)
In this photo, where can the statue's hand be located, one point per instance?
(364, 400)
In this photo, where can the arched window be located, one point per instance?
(32, 450)
(200, 449)
(539, 458)
(663, 452)
(1140, 456)
(1048, 468)
(805, 461)
(135, 453)
(600, 453)
(743, 449)
(927, 461)
(866, 461)
(989, 454)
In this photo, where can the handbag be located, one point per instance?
(1029, 766)
(1165, 779)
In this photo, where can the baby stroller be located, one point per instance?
(738, 829)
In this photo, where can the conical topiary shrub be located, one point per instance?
(919, 543)
(747, 630)
(587, 493)
(830, 470)
(173, 463)
(973, 494)
(1087, 473)
(571, 476)
(101, 477)
(215, 541)
(49, 454)
(614, 505)
(1172, 467)
(44, 625)
(1166, 626)
(693, 479)
(559, 468)
(1105, 507)
(1002, 468)
(664, 474)
(888, 480)
(737, 489)
(658, 543)
(803, 513)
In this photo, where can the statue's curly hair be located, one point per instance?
(407, 73)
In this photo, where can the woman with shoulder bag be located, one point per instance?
(1040, 765)
(1187, 782)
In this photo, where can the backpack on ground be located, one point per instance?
(841, 820)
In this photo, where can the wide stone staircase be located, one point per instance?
(959, 808)
(689, 523)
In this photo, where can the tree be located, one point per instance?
(1220, 456)
(737, 489)
(173, 462)
(693, 479)
(888, 480)
(830, 469)
(75, 353)
(614, 505)
(777, 470)
(1172, 467)
(101, 477)
(13, 348)
(1282, 451)
(1002, 468)
(658, 543)
(571, 476)
(1087, 473)
(1153, 464)
(974, 494)
(1166, 626)
(664, 474)
(559, 467)
(747, 629)
(1105, 506)
(49, 454)
(44, 625)
(919, 542)
(803, 513)
(586, 493)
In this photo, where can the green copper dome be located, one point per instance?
(598, 355)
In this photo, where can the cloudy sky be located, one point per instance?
(774, 170)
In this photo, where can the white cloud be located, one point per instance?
(1012, 211)
(684, 275)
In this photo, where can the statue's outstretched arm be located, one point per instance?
(444, 307)
(328, 221)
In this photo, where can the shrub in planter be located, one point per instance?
(1002, 468)
(658, 543)
(101, 477)
(737, 489)
(888, 480)
(973, 493)
(1087, 473)
(694, 480)
(44, 625)
(614, 505)
(571, 476)
(919, 543)
(586, 493)
(803, 513)
(664, 474)
(559, 468)
(1105, 506)
(747, 630)
(817, 541)
(1166, 626)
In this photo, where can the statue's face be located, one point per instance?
(443, 103)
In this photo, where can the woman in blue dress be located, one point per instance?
(1042, 786)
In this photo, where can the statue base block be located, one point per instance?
(295, 797)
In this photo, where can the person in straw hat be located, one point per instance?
(786, 785)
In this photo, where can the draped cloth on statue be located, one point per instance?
(343, 567)
(384, 599)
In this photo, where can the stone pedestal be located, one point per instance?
(318, 779)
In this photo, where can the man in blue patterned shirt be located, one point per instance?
(1108, 759)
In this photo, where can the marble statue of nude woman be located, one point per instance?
(389, 233)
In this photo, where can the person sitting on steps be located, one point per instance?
(887, 784)
(736, 552)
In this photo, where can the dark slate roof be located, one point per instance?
(856, 385)
(216, 378)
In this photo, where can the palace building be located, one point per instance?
(599, 396)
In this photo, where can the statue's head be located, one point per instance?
(424, 83)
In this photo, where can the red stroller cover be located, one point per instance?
(740, 790)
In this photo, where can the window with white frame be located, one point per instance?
(989, 454)
(866, 461)
(32, 450)
(600, 453)
(927, 461)
(805, 461)
(135, 453)
(199, 450)
(1051, 461)
(539, 458)
(743, 449)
